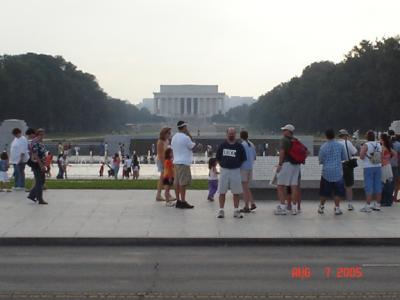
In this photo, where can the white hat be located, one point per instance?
(289, 127)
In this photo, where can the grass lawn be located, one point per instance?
(112, 184)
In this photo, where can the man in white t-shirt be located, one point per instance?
(19, 155)
(182, 146)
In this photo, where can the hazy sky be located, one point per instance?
(245, 46)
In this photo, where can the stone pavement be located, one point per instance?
(135, 214)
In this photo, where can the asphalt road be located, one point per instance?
(199, 272)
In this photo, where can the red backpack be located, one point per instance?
(297, 152)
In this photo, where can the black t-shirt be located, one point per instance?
(231, 156)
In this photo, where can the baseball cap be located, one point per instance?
(289, 127)
(181, 124)
(343, 132)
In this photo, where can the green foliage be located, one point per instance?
(361, 92)
(237, 114)
(50, 92)
(112, 184)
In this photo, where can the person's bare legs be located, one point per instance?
(221, 201)
(349, 194)
(160, 186)
(246, 194)
(369, 199)
(295, 194)
(337, 201)
(281, 194)
(378, 198)
(236, 199)
(182, 193)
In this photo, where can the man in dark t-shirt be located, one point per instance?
(230, 156)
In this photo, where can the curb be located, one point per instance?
(205, 242)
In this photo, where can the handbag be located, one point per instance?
(352, 162)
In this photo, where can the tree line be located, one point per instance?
(361, 92)
(47, 91)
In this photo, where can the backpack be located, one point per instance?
(297, 152)
(376, 156)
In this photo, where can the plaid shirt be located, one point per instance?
(331, 156)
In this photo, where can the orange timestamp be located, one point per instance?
(306, 272)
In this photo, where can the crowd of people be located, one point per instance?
(231, 169)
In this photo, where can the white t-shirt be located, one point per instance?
(371, 146)
(128, 163)
(182, 146)
(352, 150)
(212, 175)
(19, 146)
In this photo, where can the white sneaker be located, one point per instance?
(221, 214)
(280, 211)
(376, 206)
(237, 214)
(350, 207)
(366, 209)
(294, 211)
(321, 209)
(338, 211)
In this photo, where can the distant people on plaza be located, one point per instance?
(60, 149)
(127, 167)
(230, 156)
(116, 162)
(101, 170)
(387, 173)
(48, 163)
(291, 154)
(135, 167)
(168, 176)
(349, 164)
(371, 155)
(62, 166)
(246, 171)
(331, 155)
(162, 145)
(212, 178)
(38, 155)
(395, 161)
(182, 146)
(19, 155)
(4, 166)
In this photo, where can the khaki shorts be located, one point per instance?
(247, 175)
(183, 176)
(289, 175)
(230, 179)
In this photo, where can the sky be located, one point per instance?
(245, 46)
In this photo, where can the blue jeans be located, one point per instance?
(37, 190)
(19, 173)
(373, 180)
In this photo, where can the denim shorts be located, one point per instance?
(328, 189)
(373, 180)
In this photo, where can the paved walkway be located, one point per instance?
(135, 214)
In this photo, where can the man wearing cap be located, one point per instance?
(182, 146)
(348, 170)
(288, 172)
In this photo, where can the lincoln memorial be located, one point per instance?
(193, 101)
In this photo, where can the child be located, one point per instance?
(4, 165)
(212, 178)
(168, 176)
(101, 171)
(136, 167)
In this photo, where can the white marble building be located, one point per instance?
(193, 101)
